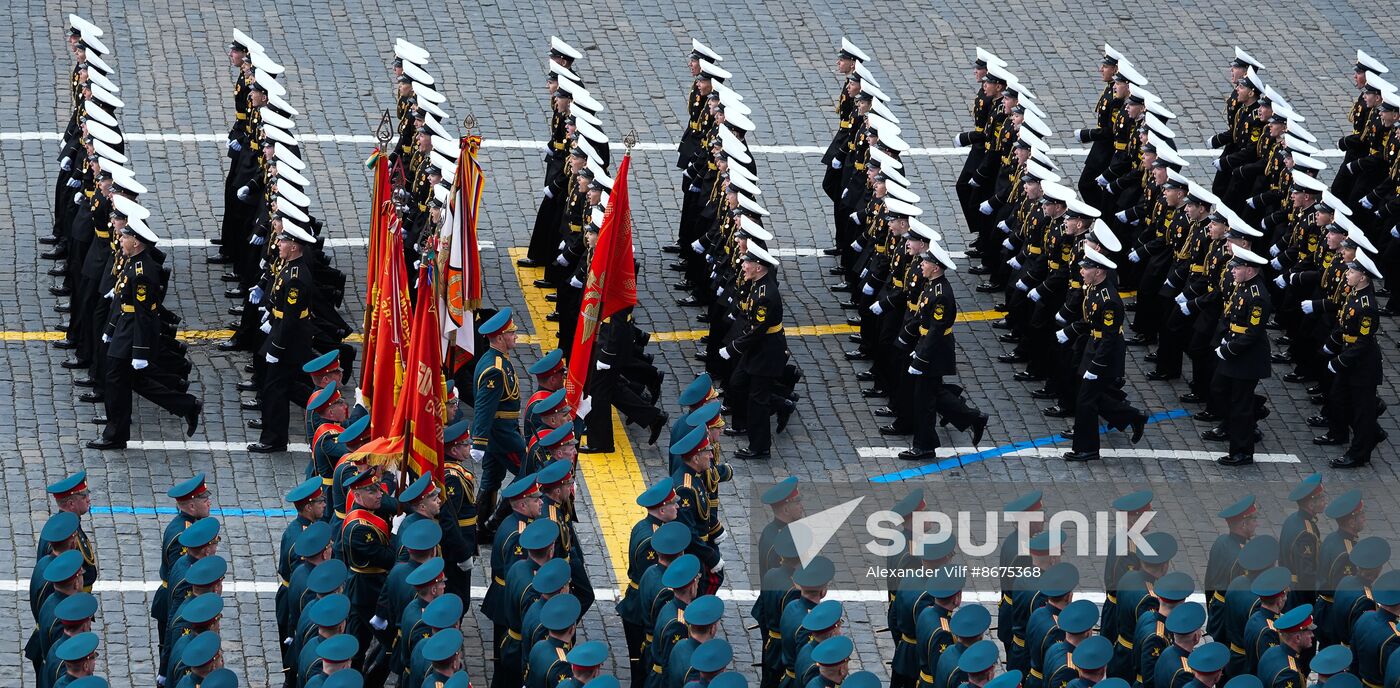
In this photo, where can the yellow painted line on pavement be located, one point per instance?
(184, 335)
(614, 479)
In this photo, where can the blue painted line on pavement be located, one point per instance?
(965, 459)
(171, 511)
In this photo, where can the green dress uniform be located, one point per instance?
(1171, 670)
(365, 546)
(519, 595)
(669, 630)
(794, 636)
(652, 598)
(1240, 604)
(1057, 667)
(570, 550)
(1222, 566)
(640, 557)
(933, 638)
(412, 631)
(696, 511)
(1135, 598)
(548, 664)
(458, 519)
(85, 547)
(1116, 565)
(287, 560)
(1333, 564)
(326, 452)
(1351, 599)
(1374, 638)
(170, 552)
(504, 553)
(495, 423)
(1300, 543)
(1259, 635)
(909, 602)
(1149, 641)
(1280, 667)
(678, 671)
(1024, 602)
(400, 605)
(48, 630)
(1042, 631)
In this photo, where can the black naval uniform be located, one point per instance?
(289, 302)
(1104, 351)
(934, 357)
(762, 352)
(1358, 373)
(1244, 361)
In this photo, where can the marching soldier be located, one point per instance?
(1258, 555)
(660, 502)
(762, 354)
(968, 625)
(523, 498)
(287, 348)
(1352, 596)
(458, 515)
(1283, 665)
(364, 545)
(1183, 629)
(1222, 565)
(1244, 357)
(696, 511)
(548, 663)
(1357, 365)
(496, 440)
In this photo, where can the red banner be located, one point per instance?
(612, 283)
(387, 314)
(421, 411)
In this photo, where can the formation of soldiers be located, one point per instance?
(1267, 246)
(118, 327)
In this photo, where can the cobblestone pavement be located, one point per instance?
(488, 57)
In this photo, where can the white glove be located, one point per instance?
(1015, 263)
(876, 308)
(287, 641)
(1307, 306)
(1331, 367)
(1061, 337)
(855, 245)
(78, 198)
(244, 192)
(1366, 202)
(1249, 201)
(694, 188)
(75, 183)
(867, 290)
(1121, 216)
(1002, 226)
(271, 359)
(1280, 282)
(548, 192)
(1090, 376)
(1035, 294)
(1133, 256)
(1216, 163)
(255, 295)
(599, 365)
(110, 293)
(561, 261)
(160, 680)
(467, 564)
(1079, 135)
(1180, 298)
(234, 145)
(478, 455)
(724, 353)
(139, 363)
(1059, 319)
(835, 164)
(985, 208)
(1220, 352)
(957, 141)
(854, 217)
(1101, 181)
(719, 566)
(719, 292)
(378, 623)
(1006, 244)
(1021, 284)
(915, 371)
(66, 164)
(1185, 308)
(266, 327)
(562, 245)
(106, 339)
(697, 247)
(573, 282)
(1274, 250)
(974, 183)
(257, 240)
(1275, 264)
(1395, 231)
(1327, 350)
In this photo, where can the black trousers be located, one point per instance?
(276, 388)
(156, 386)
(1171, 344)
(1354, 408)
(966, 191)
(635, 636)
(1100, 398)
(937, 401)
(1235, 396)
(751, 397)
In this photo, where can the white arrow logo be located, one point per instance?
(811, 534)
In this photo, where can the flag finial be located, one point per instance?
(630, 140)
(384, 131)
(468, 125)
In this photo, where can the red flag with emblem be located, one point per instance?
(387, 313)
(421, 411)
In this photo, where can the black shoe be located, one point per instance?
(684, 285)
(105, 444)
(1295, 378)
(64, 344)
(1027, 376)
(1150, 357)
(1235, 460)
(671, 248)
(528, 263)
(1318, 421)
(1002, 325)
(247, 386)
(853, 320)
(688, 301)
(98, 420)
(917, 455)
(885, 412)
(978, 270)
(703, 318)
(849, 305)
(543, 284)
(989, 288)
(1140, 340)
(734, 431)
(1347, 462)
(1190, 398)
(58, 271)
(260, 448)
(1058, 412)
(1283, 340)
(656, 427)
(254, 424)
(1139, 425)
(894, 430)
(1068, 433)
(1043, 393)
(552, 317)
(747, 454)
(50, 240)
(843, 287)
(677, 266)
(236, 311)
(62, 308)
(979, 428)
(1281, 357)
(229, 277)
(60, 291)
(1080, 457)
(1215, 435)
(1012, 357)
(1001, 308)
(192, 420)
(1160, 376)
(61, 327)
(1317, 399)
(218, 260)
(250, 404)
(590, 449)
(75, 364)
(1130, 307)
(972, 253)
(551, 297)
(836, 271)
(248, 367)
(784, 415)
(865, 375)
(855, 338)
(832, 251)
(231, 344)
(233, 293)
(1315, 389)
(1328, 440)
(1206, 416)
(1009, 337)
(85, 382)
(90, 398)
(54, 254)
(857, 355)
(701, 356)
(874, 393)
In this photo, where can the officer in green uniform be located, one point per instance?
(1135, 599)
(205, 576)
(812, 582)
(1183, 629)
(1300, 540)
(1222, 565)
(539, 542)
(458, 516)
(1014, 551)
(308, 499)
(328, 615)
(364, 545)
(682, 577)
(1206, 665)
(823, 622)
(202, 656)
(776, 591)
(660, 502)
(587, 661)
(496, 441)
(1026, 598)
(701, 619)
(313, 549)
(1374, 637)
(551, 579)
(324, 370)
(548, 663)
(200, 540)
(443, 651)
(1353, 595)
(1057, 585)
(328, 411)
(1118, 564)
(1271, 587)
(523, 496)
(695, 509)
(669, 542)
(420, 501)
(428, 583)
(557, 485)
(708, 662)
(1076, 623)
(71, 494)
(444, 613)
(1282, 666)
(708, 417)
(1333, 560)
(1150, 635)
(1330, 661)
(977, 664)
(552, 428)
(77, 657)
(1091, 660)
(785, 499)
(353, 437)
(75, 615)
(968, 625)
(61, 532)
(192, 500)
(1257, 556)
(833, 659)
(336, 654)
(421, 541)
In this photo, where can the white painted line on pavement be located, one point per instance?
(183, 445)
(1055, 453)
(527, 144)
